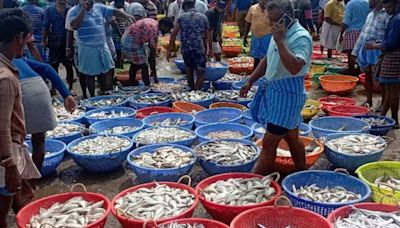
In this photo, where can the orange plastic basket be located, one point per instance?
(338, 84)
(186, 107)
(227, 105)
(307, 85)
(231, 51)
(285, 165)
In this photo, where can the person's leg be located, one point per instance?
(5, 202)
(91, 84)
(38, 149)
(106, 80)
(200, 61)
(133, 69)
(118, 62)
(152, 63)
(352, 62)
(256, 62)
(145, 74)
(296, 148)
(82, 82)
(70, 73)
(190, 77)
(386, 102)
(266, 160)
(394, 104)
(329, 53)
(369, 84)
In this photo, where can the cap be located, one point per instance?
(136, 9)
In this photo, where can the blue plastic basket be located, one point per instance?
(217, 115)
(202, 131)
(330, 125)
(222, 85)
(347, 161)
(206, 84)
(186, 142)
(91, 121)
(323, 179)
(101, 126)
(238, 85)
(88, 108)
(147, 174)
(247, 118)
(99, 163)
(304, 130)
(51, 162)
(180, 64)
(379, 130)
(243, 101)
(148, 121)
(71, 137)
(137, 105)
(166, 79)
(213, 168)
(215, 73)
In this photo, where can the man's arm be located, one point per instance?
(291, 62)
(77, 21)
(207, 36)
(171, 46)
(330, 21)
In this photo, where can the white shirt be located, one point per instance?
(174, 10)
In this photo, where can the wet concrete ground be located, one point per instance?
(110, 184)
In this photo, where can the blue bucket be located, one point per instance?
(323, 179)
(148, 121)
(180, 64)
(304, 130)
(88, 108)
(51, 162)
(218, 115)
(165, 79)
(137, 105)
(379, 130)
(329, 125)
(186, 142)
(202, 131)
(247, 118)
(215, 73)
(147, 174)
(71, 137)
(103, 125)
(206, 84)
(222, 85)
(91, 121)
(99, 163)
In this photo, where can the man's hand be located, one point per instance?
(371, 46)
(279, 31)
(245, 89)
(245, 41)
(12, 179)
(169, 55)
(69, 104)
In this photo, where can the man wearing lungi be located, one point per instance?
(259, 25)
(388, 68)
(355, 14)
(333, 19)
(278, 102)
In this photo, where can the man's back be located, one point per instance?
(193, 25)
(36, 15)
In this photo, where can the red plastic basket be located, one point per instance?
(136, 223)
(376, 89)
(347, 110)
(33, 208)
(186, 107)
(226, 213)
(144, 112)
(208, 223)
(334, 100)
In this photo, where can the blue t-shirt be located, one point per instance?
(54, 21)
(193, 25)
(36, 15)
(355, 14)
(391, 41)
(243, 4)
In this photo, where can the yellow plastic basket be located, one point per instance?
(316, 69)
(369, 172)
(310, 112)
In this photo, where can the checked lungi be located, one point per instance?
(388, 68)
(350, 39)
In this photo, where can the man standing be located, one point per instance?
(333, 19)
(151, 8)
(36, 15)
(355, 14)
(194, 30)
(215, 18)
(259, 24)
(243, 7)
(15, 163)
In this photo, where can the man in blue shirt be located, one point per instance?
(242, 6)
(36, 15)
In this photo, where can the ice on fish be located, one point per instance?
(162, 135)
(119, 130)
(102, 144)
(192, 96)
(357, 144)
(163, 157)
(111, 101)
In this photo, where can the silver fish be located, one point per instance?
(224, 135)
(232, 78)
(151, 99)
(388, 182)
(64, 129)
(163, 157)
(131, 90)
(234, 95)
(376, 121)
(181, 225)
(314, 193)
(192, 96)
(363, 218)
(119, 130)
(169, 87)
(102, 144)
(63, 115)
(169, 122)
(357, 144)
(109, 115)
(162, 135)
(111, 101)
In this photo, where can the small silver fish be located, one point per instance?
(169, 122)
(111, 101)
(314, 193)
(64, 129)
(376, 121)
(234, 95)
(109, 115)
(357, 144)
(364, 218)
(151, 98)
(192, 96)
(63, 115)
(162, 135)
(388, 182)
(102, 144)
(119, 130)
(163, 157)
(232, 78)
(181, 225)
(224, 135)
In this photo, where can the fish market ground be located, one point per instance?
(112, 183)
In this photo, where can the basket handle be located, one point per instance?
(148, 221)
(390, 196)
(78, 185)
(342, 170)
(387, 138)
(47, 224)
(386, 185)
(276, 175)
(185, 177)
(152, 113)
(283, 201)
(322, 139)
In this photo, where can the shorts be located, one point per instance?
(276, 130)
(216, 48)
(57, 56)
(194, 59)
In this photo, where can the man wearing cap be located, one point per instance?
(215, 17)
(194, 33)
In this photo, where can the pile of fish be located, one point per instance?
(375, 121)
(132, 90)
(164, 157)
(369, 219)
(109, 115)
(226, 152)
(63, 115)
(162, 135)
(101, 144)
(169, 87)
(336, 194)
(76, 212)
(388, 181)
(224, 135)
(192, 96)
(240, 191)
(154, 203)
(151, 99)
(119, 130)
(232, 95)
(111, 101)
(183, 225)
(169, 122)
(357, 144)
(232, 78)
(63, 129)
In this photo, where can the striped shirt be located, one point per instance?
(151, 9)
(36, 14)
(91, 32)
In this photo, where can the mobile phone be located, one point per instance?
(286, 20)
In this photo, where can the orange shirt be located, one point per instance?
(260, 25)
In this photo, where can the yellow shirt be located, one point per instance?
(260, 25)
(335, 11)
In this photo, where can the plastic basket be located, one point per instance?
(347, 110)
(338, 84)
(334, 100)
(369, 172)
(165, 79)
(307, 85)
(186, 142)
(147, 174)
(88, 108)
(323, 179)
(217, 115)
(226, 213)
(247, 118)
(135, 223)
(208, 223)
(308, 113)
(99, 163)
(143, 112)
(202, 131)
(149, 121)
(238, 85)
(280, 216)
(186, 107)
(180, 64)
(215, 73)
(213, 168)
(231, 51)
(33, 208)
(315, 69)
(348, 161)
(99, 127)
(334, 124)
(51, 162)
(379, 130)
(227, 105)
(137, 105)
(70, 137)
(91, 120)
(222, 85)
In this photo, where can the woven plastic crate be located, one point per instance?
(218, 115)
(330, 125)
(150, 120)
(202, 131)
(99, 127)
(91, 120)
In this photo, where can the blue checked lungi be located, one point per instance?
(279, 102)
(259, 46)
